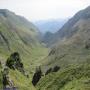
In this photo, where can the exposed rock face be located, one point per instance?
(37, 76)
(5, 76)
(14, 62)
(48, 71)
(7, 82)
(54, 69)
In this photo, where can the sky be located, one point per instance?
(35, 10)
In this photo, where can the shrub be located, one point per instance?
(14, 62)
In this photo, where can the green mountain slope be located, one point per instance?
(70, 52)
(74, 47)
(71, 48)
(19, 35)
(69, 28)
(73, 78)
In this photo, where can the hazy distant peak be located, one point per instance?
(52, 25)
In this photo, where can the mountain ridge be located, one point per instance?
(71, 48)
(66, 31)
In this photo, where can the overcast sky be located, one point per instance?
(44, 9)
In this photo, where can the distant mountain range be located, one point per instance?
(52, 25)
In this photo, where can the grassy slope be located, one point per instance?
(20, 36)
(71, 50)
(30, 64)
(75, 77)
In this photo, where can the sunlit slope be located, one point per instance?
(17, 34)
(71, 27)
(76, 77)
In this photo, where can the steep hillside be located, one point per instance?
(71, 47)
(74, 44)
(72, 78)
(19, 35)
(15, 31)
(69, 28)
(51, 25)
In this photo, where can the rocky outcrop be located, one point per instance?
(54, 69)
(14, 62)
(37, 76)
(7, 82)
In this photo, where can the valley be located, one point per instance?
(19, 35)
(55, 61)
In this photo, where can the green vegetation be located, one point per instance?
(14, 62)
(71, 52)
(65, 67)
(19, 35)
(74, 77)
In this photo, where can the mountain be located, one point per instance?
(16, 31)
(50, 25)
(71, 52)
(19, 35)
(68, 28)
(48, 28)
